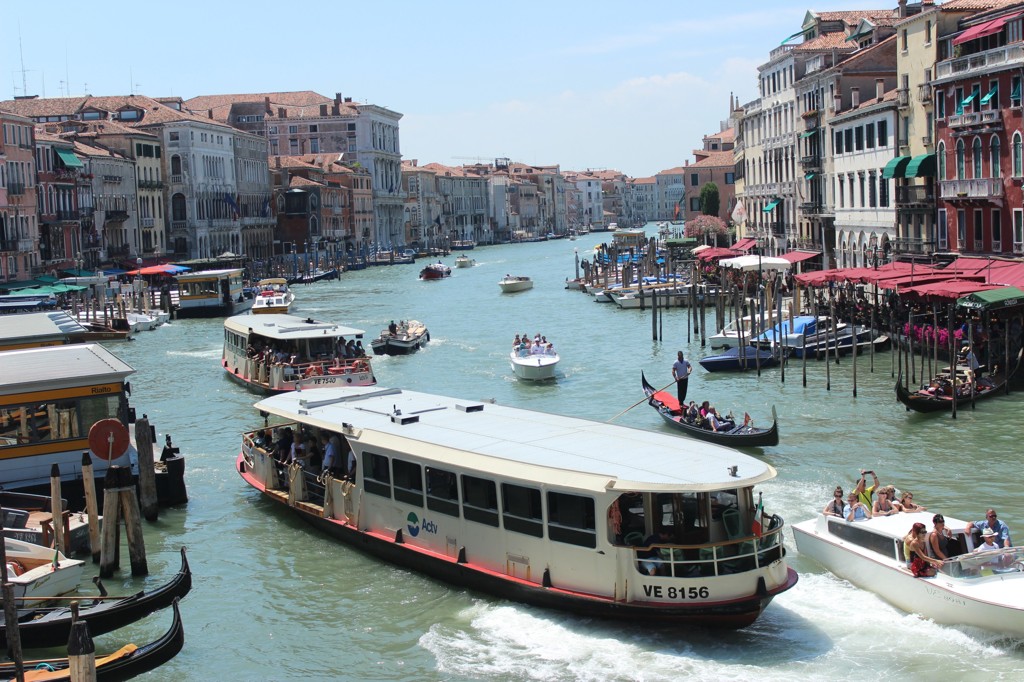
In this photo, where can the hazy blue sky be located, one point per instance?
(585, 84)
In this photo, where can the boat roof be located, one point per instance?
(38, 327)
(79, 364)
(278, 281)
(521, 444)
(207, 274)
(281, 326)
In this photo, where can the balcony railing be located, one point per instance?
(978, 188)
(177, 179)
(915, 194)
(812, 161)
(15, 188)
(67, 215)
(980, 62)
(148, 222)
(988, 118)
(112, 179)
(913, 246)
(179, 225)
(924, 93)
(903, 97)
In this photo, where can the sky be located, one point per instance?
(580, 83)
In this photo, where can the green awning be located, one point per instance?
(69, 158)
(992, 299)
(970, 98)
(990, 95)
(797, 34)
(808, 133)
(1016, 91)
(772, 205)
(809, 176)
(896, 167)
(922, 166)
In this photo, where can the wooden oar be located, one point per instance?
(642, 400)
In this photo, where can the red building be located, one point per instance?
(977, 90)
(19, 229)
(60, 232)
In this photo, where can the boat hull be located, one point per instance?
(734, 361)
(512, 287)
(534, 367)
(213, 310)
(923, 402)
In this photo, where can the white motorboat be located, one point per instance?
(38, 573)
(464, 261)
(981, 589)
(513, 283)
(406, 337)
(534, 366)
(143, 321)
(272, 296)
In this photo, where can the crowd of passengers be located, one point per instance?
(540, 345)
(707, 416)
(273, 354)
(925, 551)
(316, 450)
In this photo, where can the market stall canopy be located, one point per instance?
(700, 249)
(754, 263)
(744, 244)
(992, 299)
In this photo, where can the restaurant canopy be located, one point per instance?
(992, 299)
(164, 269)
(948, 289)
(744, 244)
(715, 252)
(797, 256)
(752, 263)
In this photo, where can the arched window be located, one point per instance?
(1017, 170)
(941, 157)
(175, 165)
(178, 212)
(993, 157)
(976, 157)
(960, 159)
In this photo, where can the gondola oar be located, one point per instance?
(642, 400)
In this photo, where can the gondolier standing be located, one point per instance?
(681, 373)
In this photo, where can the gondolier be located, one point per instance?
(681, 373)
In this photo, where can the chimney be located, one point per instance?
(854, 97)
(266, 105)
(282, 112)
(903, 9)
(879, 88)
(337, 98)
(336, 109)
(323, 109)
(838, 102)
(209, 113)
(348, 100)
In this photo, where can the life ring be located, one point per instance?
(313, 371)
(362, 366)
(108, 439)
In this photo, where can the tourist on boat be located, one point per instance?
(968, 358)
(916, 552)
(855, 510)
(864, 494)
(988, 541)
(991, 522)
(350, 463)
(516, 342)
(691, 412)
(941, 541)
(883, 506)
(651, 559)
(908, 505)
(718, 422)
(681, 374)
(835, 507)
(392, 328)
(360, 351)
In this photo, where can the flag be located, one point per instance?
(437, 221)
(758, 513)
(739, 213)
(233, 204)
(265, 211)
(675, 216)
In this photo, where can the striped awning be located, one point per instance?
(896, 167)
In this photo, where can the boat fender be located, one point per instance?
(349, 380)
(241, 467)
(399, 539)
(762, 589)
(462, 555)
(546, 580)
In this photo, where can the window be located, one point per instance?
(883, 133)
(292, 130)
(943, 227)
(842, 203)
(976, 157)
(858, 137)
(993, 160)
(314, 146)
(869, 135)
(480, 500)
(961, 228)
(959, 159)
(928, 32)
(314, 128)
(442, 492)
(408, 482)
(1018, 230)
(976, 99)
(992, 95)
(903, 40)
(997, 230)
(521, 510)
(883, 191)
(694, 203)
(860, 185)
(979, 230)
(138, 149)
(848, 139)
(872, 194)
(172, 136)
(839, 142)
(571, 519)
(694, 181)
(940, 105)
(376, 476)
(1017, 155)
(1015, 91)
(958, 93)
(730, 178)
(940, 156)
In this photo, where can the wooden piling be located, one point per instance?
(57, 511)
(91, 507)
(81, 650)
(120, 502)
(11, 631)
(147, 469)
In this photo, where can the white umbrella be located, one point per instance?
(751, 263)
(700, 248)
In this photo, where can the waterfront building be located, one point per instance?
(463, 202)
(111, 178)
(670, 193)
(977, 90)
(422, 206)
(645, 198)
(57, 174)
(591, 198)
(717, 167)
(19, 227)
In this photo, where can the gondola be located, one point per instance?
(742, 436)
(50, 626)
(923, 400)
(123, 664)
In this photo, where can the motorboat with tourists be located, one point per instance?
(534, 365)
(272, 296)
(511, 284)
(984, 588)
(560, 512)
(464, 261)
(272, 353)
(212, 293)
(403, 338)
(739, 434)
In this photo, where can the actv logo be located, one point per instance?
(414, 526)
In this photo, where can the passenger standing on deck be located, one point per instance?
(992, 522)
(864, 494)
(681, 373)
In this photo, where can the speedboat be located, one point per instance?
(39, 573)
(436, 270)
(534, 366)
(407, 337)
(741, 358)
(983, 589)
(510, 284)
(272, 296)
(464, 261)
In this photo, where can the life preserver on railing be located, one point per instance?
(362, 366)
(312, 371)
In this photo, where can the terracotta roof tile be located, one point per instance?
(854, 16)
(298, 98)
(645, 181)
(713, 159)
(299, 181)
(153, 111)
(972, 5)
(827, 41)
(727, 135)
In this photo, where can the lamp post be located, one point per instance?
(760, 281)
(295, 262)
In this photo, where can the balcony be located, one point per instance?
(811, 208)
(15, 188)
(179, 225)
(112, 179)
(902, 97)
(978, 188)
(7, 245)
(991, 119)
(920, 247)
(980, 63)
(915, 195)
(148, 222)
(810, 162)
(115, 215)
(177, 179)
(67, 215)
(924, 93)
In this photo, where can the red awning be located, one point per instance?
(797, 256)
(744, 244)
(981, 30)
(952, 289)
(716, 252)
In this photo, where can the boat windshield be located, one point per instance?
(980, 564)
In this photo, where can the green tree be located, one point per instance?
(709, 201)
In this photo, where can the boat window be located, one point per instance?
(376, 475)
(571, 519)
(480, 500)
(862, 537)
(442, 492)
(521, 510)
(54, 420)
(408, 482)
(684, 515)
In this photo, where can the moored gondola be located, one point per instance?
(50, 626)
(937, 395)
(742, 435)
(125, 663)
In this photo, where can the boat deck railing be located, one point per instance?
(272, 372)
(979, 564)
(713, 559)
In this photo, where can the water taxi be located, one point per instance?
(58, 402)
(984, 588)
(272, 296)
(511, 284)
(272, 353)
(534, 365)
(211, 293)
(561, 512)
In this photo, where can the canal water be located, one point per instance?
(274, 599)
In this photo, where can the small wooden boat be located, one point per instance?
(406, 337)
(317, 275)
(937, 394)
(742, 358)
(510, 284)
(38, 572)
(742, 435)
(436, 270)
(125, 663)
(28, 517)
(44, 627)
